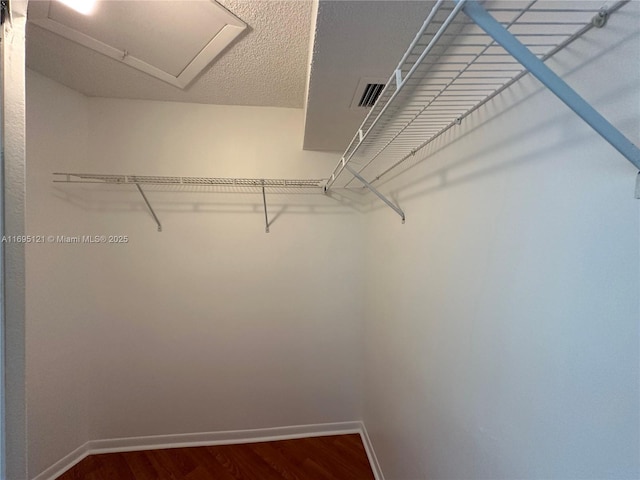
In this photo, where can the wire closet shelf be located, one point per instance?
(451, 68)
(245, 184)
(465, 53)
(256, 183)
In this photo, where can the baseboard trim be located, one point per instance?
(64, 464)
(371, 453)
(231, 437)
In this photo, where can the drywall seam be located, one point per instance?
(202, 439)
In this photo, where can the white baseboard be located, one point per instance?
(64, 464)
(132, 444)
(371, 454)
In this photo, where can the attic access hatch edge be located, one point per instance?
(175, 51)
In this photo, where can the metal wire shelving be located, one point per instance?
(466, 53)
(257, 185)
(187, 181)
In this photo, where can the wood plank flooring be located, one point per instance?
(338, 457)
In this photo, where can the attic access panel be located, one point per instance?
(171, 40)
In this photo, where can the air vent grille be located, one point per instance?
(371, 93)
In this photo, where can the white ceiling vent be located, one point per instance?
(367, 92)
(170, 40)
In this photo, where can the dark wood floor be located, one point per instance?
(339, 457)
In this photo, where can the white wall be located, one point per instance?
(59, 285)
(502, 319)
(210, 325)
(213, 324)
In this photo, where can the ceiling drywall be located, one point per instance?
(269, 64)
(266, 65)
(353, 40)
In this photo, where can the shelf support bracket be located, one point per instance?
(266, 217)
(398, 74)
(374, 190)
(551, 80)
(144, 197)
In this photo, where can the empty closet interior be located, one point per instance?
(414, 220)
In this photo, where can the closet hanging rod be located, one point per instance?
(187, 181)
(449, 57)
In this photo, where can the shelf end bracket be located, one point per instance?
(153, 214)
(376, 192)
(552, 81)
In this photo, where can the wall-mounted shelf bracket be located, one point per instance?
(374, 190)
(600, 20)
(266, 217)
(549, 79)
(153, 214)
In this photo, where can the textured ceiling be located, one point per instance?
(265, 66)
(268, 65)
